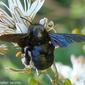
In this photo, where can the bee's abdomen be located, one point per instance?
(44, 63)
(44, 57)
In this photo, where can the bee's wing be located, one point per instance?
(64, 40)
(12, 37)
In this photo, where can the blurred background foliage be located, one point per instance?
(69, 17)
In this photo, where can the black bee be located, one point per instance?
(38, 45)
(41, 44)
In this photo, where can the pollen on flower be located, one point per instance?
(3, 49)
(19, 54)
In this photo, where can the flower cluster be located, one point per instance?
(76, 74)
(20, 16)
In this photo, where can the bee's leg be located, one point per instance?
(25, 70)
(52, 74)
(25, 61)
(27, 55)
(54, 68)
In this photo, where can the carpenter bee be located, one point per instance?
(37, 41)
(38, 45)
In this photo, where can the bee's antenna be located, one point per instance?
(27, 20)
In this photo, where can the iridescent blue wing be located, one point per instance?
(64, 40)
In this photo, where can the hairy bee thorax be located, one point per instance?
(39, 34)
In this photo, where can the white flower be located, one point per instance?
(21, 15)
(63, 70)
(78, 73)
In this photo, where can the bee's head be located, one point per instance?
(39, 32)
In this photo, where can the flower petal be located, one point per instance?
(35, 7)
(19, 5)
(21, 28)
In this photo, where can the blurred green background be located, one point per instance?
(69, 17)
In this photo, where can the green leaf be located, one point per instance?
(67, 82)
